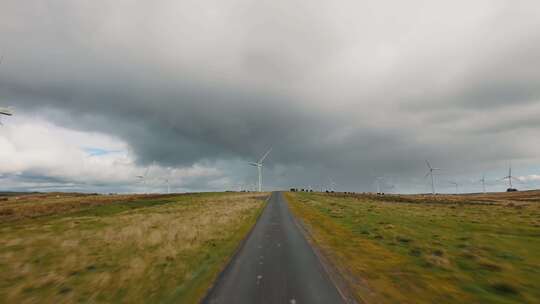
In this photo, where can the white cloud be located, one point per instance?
(351, 89)
(36, 154)
(529, 178)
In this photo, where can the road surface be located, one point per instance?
(275, 265)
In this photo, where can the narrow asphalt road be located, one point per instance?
(275, 265)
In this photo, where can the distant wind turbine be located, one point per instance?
(332, 184)
(259, 166)
(143, 179)
(509, 177)
(167, 180)
(430, 173)
(168, 186)
(483, 181)
(378, 181)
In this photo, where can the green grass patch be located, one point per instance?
(445, 249)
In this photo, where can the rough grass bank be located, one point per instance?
(123, 249)
(413, 249)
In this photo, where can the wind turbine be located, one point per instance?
(332, 184)
(167, 179)
(509, 177)
(378, 181)
(430, 173)
(259, 166)
(483, 180)
(168, 186)
(143, 179)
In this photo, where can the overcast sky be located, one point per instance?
(342, 90)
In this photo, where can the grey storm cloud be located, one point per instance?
(348, 90)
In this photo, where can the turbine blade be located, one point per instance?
(254, 164)
(427, 163)
(265, 155)
(5, 112)
(427, 174)
(146, 172)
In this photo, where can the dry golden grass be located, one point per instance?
(121, 249)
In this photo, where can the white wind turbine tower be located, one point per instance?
(483, 181)
(168, 185)
(378, 181)
(167, 180)
(430, 173)
(259, 166)
(509, 177)
(143, 179)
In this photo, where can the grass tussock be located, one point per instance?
(422, 249)
(124, 249)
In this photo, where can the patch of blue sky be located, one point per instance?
(93, 151)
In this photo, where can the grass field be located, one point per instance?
(61, 248)
(420, 249)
